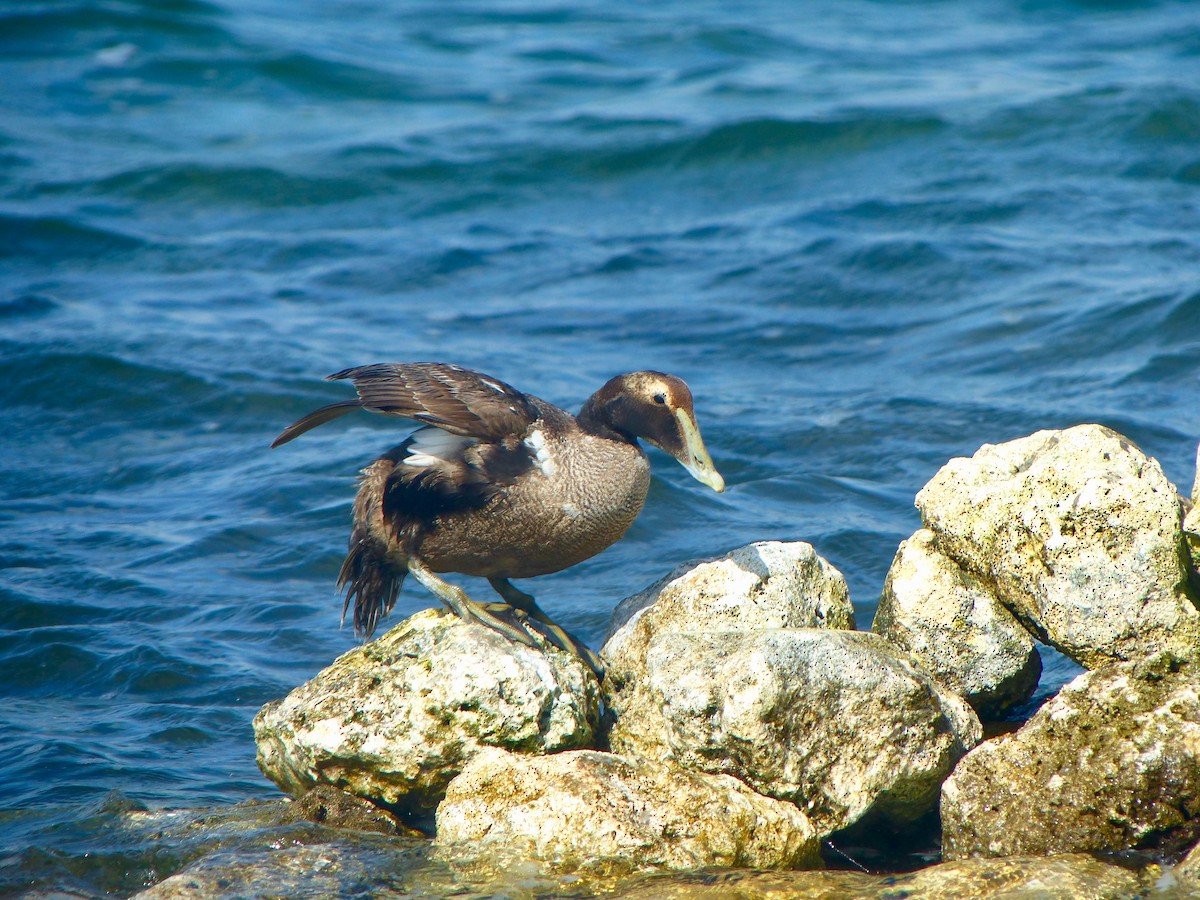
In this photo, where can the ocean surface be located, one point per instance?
(871, 236)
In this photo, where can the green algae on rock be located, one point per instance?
(587, 811)
(1054, 878)
(1110, 763)
(396, 719)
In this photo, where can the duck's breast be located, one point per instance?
(580, 495)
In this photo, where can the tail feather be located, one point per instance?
(315, 418)
(371, 581)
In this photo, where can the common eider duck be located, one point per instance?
(500, 484)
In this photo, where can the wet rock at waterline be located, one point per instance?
(839, 722)
(1110, 763)
(601, 813)
(952, 623)
(1075, 876)
(396, 719)
(1078, 533)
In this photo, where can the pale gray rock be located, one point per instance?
(1078, 533)
(1075, 876)
(598, 813)
(839, 722)
(768, 584)
(953, 623)
(396, 719)
(1109, 762)
(1196, 482)
(1191, 525)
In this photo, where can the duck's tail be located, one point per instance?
(370, 580)
(370, 577)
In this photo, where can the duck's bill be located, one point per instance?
(695, 457)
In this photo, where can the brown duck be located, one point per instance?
(500, 484)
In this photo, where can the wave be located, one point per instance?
(51, 239)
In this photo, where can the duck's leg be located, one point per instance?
(556, 634)
(464, 607)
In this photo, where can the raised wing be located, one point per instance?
(454, 399)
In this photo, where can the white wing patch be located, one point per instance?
(542, 458)
(431, 446)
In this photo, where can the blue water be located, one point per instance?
(871, 236)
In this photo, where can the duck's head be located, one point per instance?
(657, 408)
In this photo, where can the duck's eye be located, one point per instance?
(660, 399)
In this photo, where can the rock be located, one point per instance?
(328, 806)
(599, 813)
(839, 722)
(1191, 525)
(253, 849)
(1079, 535)
(1054, 878)
(956, 627)
(1196, 482)
(1187, 873)
(768, 584)
(325, 870)
(1112, 762)
(396, 719)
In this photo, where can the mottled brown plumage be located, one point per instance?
(500, 484)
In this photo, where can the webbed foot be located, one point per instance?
(522, 602)
(467, 609)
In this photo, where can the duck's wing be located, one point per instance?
(457, 400)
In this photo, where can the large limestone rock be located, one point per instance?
(1078, 533)
(396, 719)
(604, 814)
(839, 722)
(956, 627)
(1110, 762)
(768, 584)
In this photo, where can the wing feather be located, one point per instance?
(460, 401)
(454, 399)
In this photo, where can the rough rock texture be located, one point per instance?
(957, 628)
(1079, 535)
(396, 719)
(1075, 876)
(1112, 762)
(1187, 873)
(1196, 482)
(768, 584)
(325, 805)
(596, 812)
(325, 870)
(1191, 524)
(839, 722)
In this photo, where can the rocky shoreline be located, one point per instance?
(745, 724)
